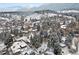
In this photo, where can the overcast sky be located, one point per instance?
(13, 5)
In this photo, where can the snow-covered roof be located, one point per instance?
(23, 38)
(63, 26)
(17, 46)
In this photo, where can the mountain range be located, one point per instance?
(47, 6)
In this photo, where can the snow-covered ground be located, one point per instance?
(69, 11)
(2, 46)
(43, 47)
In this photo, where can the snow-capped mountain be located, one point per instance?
(45, 6)
(58, 6)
